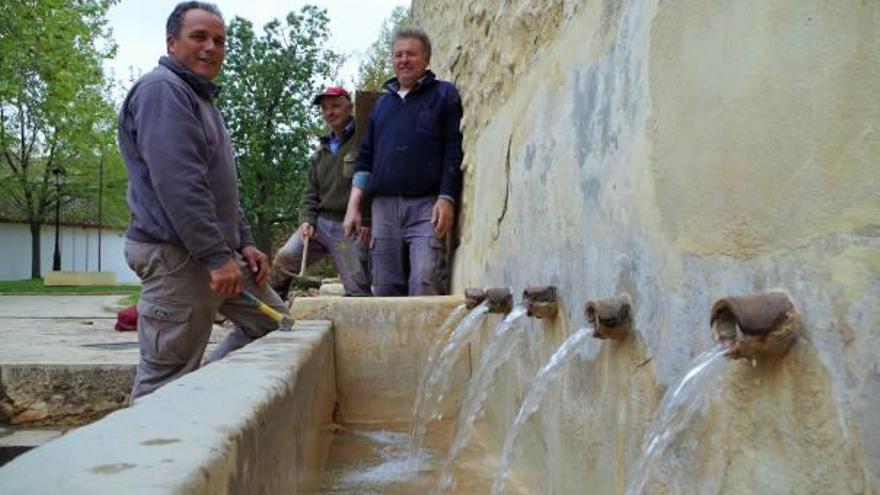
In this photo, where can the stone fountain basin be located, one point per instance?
(258, 421)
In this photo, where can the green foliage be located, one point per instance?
(267, 84)
(54, 112)
(376, 68)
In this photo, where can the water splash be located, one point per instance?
(435, 379)
(542, 383)
(690, 396)
(501, 345)
(389, 468)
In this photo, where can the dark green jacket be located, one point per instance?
(329, 184)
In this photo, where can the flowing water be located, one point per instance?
(373, 461)
(545, 378)
(436, 376)
(690, 396)
(498, 351)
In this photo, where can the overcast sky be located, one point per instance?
(139, 27)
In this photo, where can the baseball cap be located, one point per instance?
(330, 91)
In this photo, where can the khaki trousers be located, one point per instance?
(349, 256)
(176, 313)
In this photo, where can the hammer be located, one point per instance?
(301, 276)
(284, 322)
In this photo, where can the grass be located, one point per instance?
(36, 286)
(129, 300)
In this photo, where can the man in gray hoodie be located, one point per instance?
(188, 240)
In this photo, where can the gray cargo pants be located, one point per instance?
(176, 313)
(407, 257)
(349, 256)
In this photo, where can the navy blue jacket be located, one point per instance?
(412, 146)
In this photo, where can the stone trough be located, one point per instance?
(260, 420)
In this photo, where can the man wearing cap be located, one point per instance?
(410, 164)
(322, 207)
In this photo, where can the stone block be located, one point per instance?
(79, 278)
(256, 421)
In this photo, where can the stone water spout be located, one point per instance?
(500, 299)
(611, 318)
(756, 325)
(541, 301)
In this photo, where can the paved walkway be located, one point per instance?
(66, 329)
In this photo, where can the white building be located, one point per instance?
(79, 251)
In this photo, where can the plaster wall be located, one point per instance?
(680, 152)
(381, 346)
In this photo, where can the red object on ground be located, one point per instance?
(126, 320)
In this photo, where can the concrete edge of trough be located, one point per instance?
(254, 422)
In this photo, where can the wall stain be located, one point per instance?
(497, 232)
(160, 441)
(112, 468)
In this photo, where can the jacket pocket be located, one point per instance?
(428, 124)
(349, 162)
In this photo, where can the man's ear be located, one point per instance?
(169, 44)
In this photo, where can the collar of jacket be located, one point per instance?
(393, 86)
(346, 132)
(202, 86)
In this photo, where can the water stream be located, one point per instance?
(543, 382)
(690, 396)
(436, 376)
(498, 351)
(371, 460)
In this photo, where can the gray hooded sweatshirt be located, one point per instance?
(182, 182)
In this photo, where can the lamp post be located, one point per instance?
(58, 174)
(100, 205)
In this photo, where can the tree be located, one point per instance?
(267, 85)
(53, 107)
(376, 69)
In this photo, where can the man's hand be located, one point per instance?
(258, 263)
(306, 230)
(226, 280)
(352, 222)
(364, 235)
(442, 216)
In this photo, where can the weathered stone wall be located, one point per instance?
(680, 152)
(380, 347)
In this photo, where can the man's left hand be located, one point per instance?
(442, 216)
(258, 262)
(364, 235)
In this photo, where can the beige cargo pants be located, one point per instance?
(176, 313)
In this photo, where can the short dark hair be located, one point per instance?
(175, 20)
(413, 33)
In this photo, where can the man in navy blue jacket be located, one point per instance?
(410, 164)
